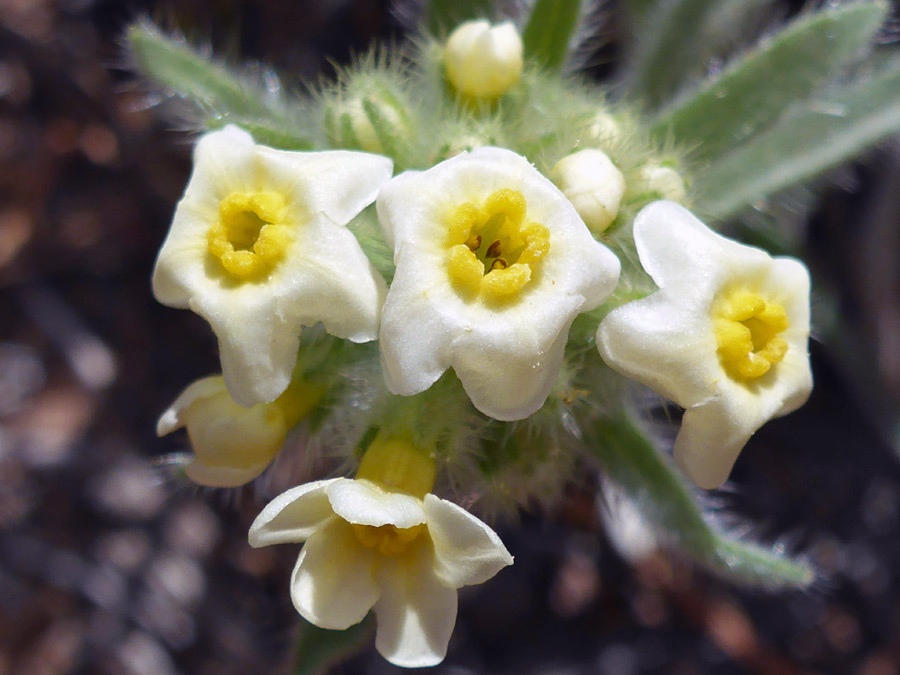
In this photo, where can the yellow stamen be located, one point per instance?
(250, 237)
(747, 330)
(479, 236)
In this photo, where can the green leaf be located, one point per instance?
(219, 96)
(756, 90)
(813, 137)
(444, 15)
(549, 31)
(318, 649)
(174, 64)
(649, 479)
(669, 48)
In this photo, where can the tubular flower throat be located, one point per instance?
(493, 250)
(251, 235)
(748, 331)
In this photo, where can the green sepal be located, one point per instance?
(752, 93)
(443, 16)
(813, 137)
(318, 650)
(549, 30)
(630, 460)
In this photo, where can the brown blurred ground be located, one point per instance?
(107, 568)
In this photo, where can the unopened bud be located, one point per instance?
(376, 121)
(483, 62)
(232, 444)
(593, 184)
(664, 181)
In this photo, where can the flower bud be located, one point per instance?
(232, 444)
(483, 62)
(593, 184)
(664, 181)
(604, 128)
(374, 121)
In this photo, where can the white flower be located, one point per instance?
(725, 336)
(232, 444)
(493, 265)
(483, 61)
(593, 184)
(259, 248)
(370, 548)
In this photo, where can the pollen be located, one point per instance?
(250, 237)
(493, 251)
(748, 333)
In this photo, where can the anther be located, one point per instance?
(473, 242)
(495, 250)
(498, 264)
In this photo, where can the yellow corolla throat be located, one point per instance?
(492, 250)
(748, 330)
(251, 235)
(387, 539)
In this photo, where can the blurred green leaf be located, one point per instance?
(755, 91)
(184, 70)
(549, 31)
(444, 15)
(668, 48)
(220, 97)
(318, 649)
(631, 461)
(813, 137)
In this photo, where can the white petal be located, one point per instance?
(416, 330)
(173, 418)
(333, 584)
(337, 183)
(710, 440)
(681, 253)
(332, 281)
(293, 516)
(257, 349)
(364, 503)
(466, 550)
(508, 376)
(415, 612)
(664, 343)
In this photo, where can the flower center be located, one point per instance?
(250, 237)
(492, 250)
(387, 539)
(748, 332)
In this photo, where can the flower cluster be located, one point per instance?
(496, 289)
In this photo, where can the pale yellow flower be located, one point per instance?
(493, 265)
(259, 248)
(725, 336)
(382, 543)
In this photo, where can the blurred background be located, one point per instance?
(108, 568)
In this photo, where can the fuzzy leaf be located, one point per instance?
(669, 48)
(813, 137)
(753, 92)
(219, 96)
(549, 31)
(631, 461)
(445, 15)
(318, 650)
